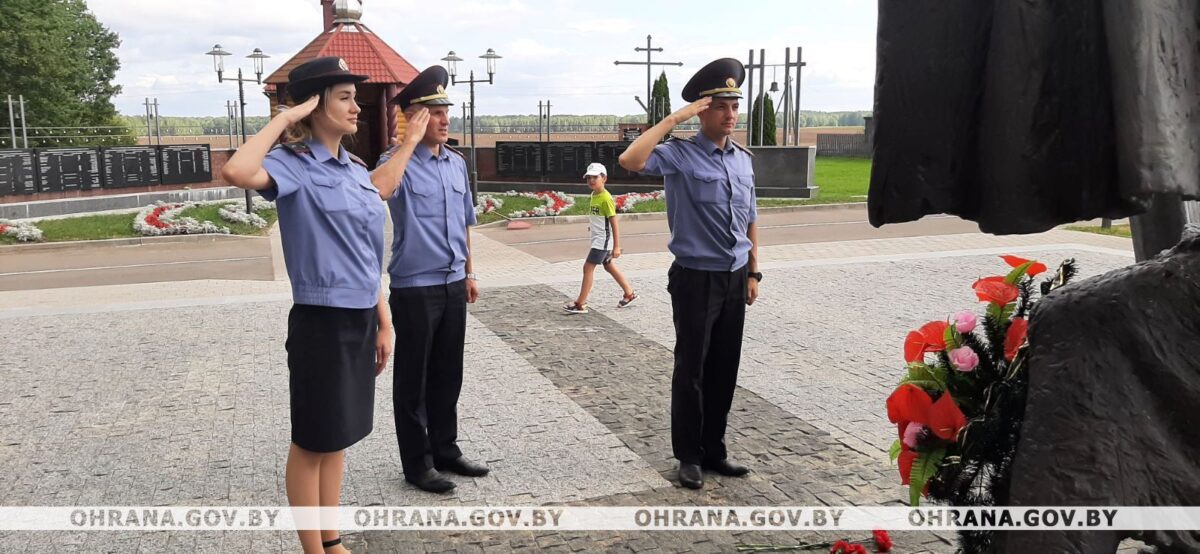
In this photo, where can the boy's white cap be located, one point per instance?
(595, 169)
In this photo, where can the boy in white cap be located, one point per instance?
(606, 241)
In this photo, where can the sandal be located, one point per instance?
(331, 543)
(576, 308)
(625, 301)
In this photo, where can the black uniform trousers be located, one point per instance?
(431, 326)
(709, 309)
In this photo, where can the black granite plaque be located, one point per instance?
(568, 161)
(130, 166)
(519, 159)
(18, 172)
(68, 169)
(185, 163)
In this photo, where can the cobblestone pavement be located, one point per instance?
(175, 394)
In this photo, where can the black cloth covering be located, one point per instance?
(1025, 114)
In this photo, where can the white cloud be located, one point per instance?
(561, 51)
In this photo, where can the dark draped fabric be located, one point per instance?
(1026, 114)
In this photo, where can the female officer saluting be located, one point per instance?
(331, 224)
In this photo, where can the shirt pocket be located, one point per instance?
(458, 189)
(428, 199)
(331, 193)
(743, 190)
(708, 186)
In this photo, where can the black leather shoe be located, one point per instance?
(727, 468)
(463, 466)
(431, 481)
(690, 476)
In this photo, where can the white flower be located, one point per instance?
(169, 224)
(236, 213)
(20, 230)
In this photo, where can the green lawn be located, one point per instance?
(120, 226)
(841, 180)
(88, 227)
(1115, 230)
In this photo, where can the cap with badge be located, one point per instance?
(317, 74)
(594, 169)
(427, 88)
(719, 79)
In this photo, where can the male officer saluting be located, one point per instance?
(425, 184)
(711, 212)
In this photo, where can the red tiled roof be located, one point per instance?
(363, 50)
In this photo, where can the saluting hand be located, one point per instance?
(295, 113)
(414, 129)
(691, 110)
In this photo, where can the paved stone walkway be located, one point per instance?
(175, 394)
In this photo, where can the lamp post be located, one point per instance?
(218, 54)
(452, 68)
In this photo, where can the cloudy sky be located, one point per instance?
(562, 51)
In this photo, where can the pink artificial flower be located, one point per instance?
(964, 359)
(964, 321)
(911, 433)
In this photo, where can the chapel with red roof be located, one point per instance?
(345, 36)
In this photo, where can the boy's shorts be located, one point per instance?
(599, 257)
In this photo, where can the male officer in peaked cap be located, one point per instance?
(709, 181)
(425, 184)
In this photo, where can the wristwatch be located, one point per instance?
(757, 276)
(472, 277)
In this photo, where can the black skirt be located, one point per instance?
(331, 362)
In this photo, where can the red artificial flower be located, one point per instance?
(1032, 270)
(996, 291)
(1017, 331)
(843, 547)
(934, 334)
(914, 347)
(931, 337)
(3, 228)
(945, 419)
(911, 404)
(905, 462)
(883, 543)
(908, 403)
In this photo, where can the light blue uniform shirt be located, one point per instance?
(710, 201)
(331, 225)
(431, 210)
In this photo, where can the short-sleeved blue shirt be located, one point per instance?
(331, 225)
(431, 210)
(710, 201)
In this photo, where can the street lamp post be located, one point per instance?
(452, 68)
(218, 54)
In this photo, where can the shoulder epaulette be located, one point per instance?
(357, 160)
(740, 147)
(681, 139)
(452, 149)
(297, 148)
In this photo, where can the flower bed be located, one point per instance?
(22, 231)
(486, 204)
(160, 219)
(553, 203)
(626, 202)
(236, 213)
